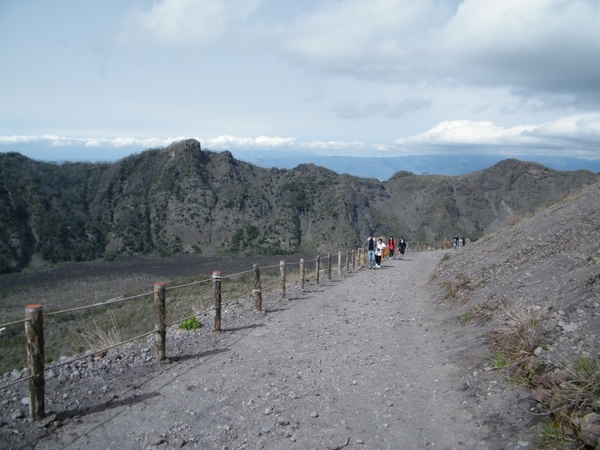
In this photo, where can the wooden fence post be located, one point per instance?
(282, 279)
(216, 277)
(160, 312)
(318, 267)
(329, 266)
(34, 338)
(339, 263)
(257, 289)
(302, 274)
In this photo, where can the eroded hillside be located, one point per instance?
(532, 289)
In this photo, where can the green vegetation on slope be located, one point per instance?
(184, 200)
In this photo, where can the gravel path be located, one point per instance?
(366, 361)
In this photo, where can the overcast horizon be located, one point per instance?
(85, 81)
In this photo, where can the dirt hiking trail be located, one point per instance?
(369, 360)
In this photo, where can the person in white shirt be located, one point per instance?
(378, 252)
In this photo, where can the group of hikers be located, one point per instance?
(377, 249)
(460, 241)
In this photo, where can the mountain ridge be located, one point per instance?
(182, 199)
(384, 167)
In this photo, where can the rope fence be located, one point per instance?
(34, 326)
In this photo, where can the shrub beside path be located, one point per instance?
(366, 361)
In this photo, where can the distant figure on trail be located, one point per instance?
(401, 248)
(379, 252)
(391, 245)
(371, 246)
(455, 243)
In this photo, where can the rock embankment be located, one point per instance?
(543, 269)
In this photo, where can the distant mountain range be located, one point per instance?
(182, 199)
(380, 167)
(383, 168)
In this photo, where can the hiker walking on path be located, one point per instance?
(391, 246)
(371, 247)
(379, 252)
(401, 248)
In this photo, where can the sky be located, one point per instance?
(83, 80)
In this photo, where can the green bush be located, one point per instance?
(190, 324)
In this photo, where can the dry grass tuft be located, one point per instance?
(581, 391)
(478, 313)
(455, 288)
(102, 336)
(515, 342)
(513, 220)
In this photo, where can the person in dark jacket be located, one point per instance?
(371, 246)
(401, 248)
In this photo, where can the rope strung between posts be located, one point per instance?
(212, 308)
(13, 323)
(188, 284)
(15, 382)
(236, 274)
(133, 297)
(95, 305)
(91, 353)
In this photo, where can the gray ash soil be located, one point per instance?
(160, 267)
(368, 360)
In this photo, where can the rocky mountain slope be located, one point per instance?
(184, 199)
(533, 290)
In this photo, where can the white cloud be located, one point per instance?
(577, 133)
(534, 47)
(361, 38)
(577, 127)
(171, 23)
(469, 132)
(12, 140)
(63, 141)
(334, 145)
(536, 44)
(225, 142)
